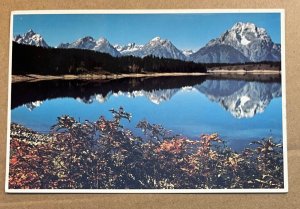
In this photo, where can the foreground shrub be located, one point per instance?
(105, 155)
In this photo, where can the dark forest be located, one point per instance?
(56, 61)
(28, 59)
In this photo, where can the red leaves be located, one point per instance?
(13, 161)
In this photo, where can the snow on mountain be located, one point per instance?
(88, 42)
(155, 96)
(253, 42)
(242, 99)
(102, 45)
(130, 49)
(97, 97)
(187, 52)
(32, 105)
(31, 38)
(162, 48)
(157, 47)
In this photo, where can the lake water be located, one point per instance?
(238, 109)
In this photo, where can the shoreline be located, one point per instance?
(37, 77)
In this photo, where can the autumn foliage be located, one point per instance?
(105, 155)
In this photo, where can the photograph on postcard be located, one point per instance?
(151, 101)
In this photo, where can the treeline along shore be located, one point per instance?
(32, 60)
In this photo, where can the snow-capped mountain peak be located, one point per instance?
(102, 40)
(103, 45)
(243, 42)
(162, 48)
(159, 41)
(31, 38)
(88, 42)
(252, 41)
(156, 40)
(241, 25)
(29, 33)
(243, 31)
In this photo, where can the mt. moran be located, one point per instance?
(243, 42)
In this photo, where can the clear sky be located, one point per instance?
(186, 31)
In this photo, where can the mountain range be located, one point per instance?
(244, 42)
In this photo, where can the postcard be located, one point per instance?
(147, 101)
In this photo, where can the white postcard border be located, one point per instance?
(154, 11)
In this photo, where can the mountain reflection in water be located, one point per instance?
(239, 108)
(243, 99)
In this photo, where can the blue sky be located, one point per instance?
(186, 31)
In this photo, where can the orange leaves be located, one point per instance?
(174, 146)
(13, 161)
(207, 139)
(22, 165)
(234, 160)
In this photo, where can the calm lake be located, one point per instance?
(239, 109)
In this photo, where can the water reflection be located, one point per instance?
(242, 98)
(28, 92)
(244, 108)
